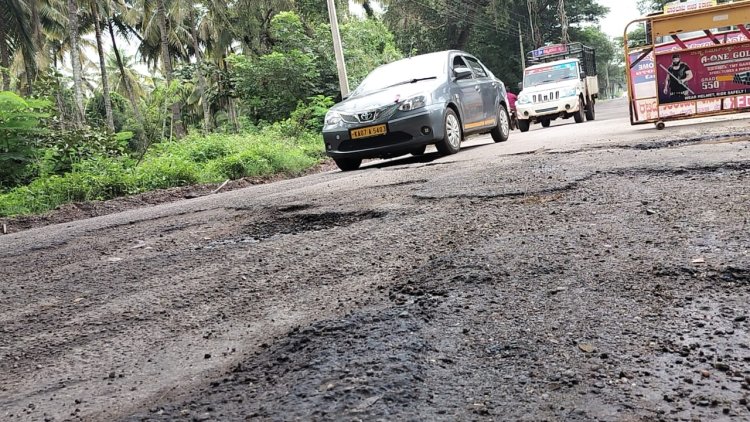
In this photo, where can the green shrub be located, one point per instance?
(284, 147)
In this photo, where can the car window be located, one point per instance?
(459, 62)
(476, 67)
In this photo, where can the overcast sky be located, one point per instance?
(621, 12)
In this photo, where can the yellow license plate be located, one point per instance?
(368, 132)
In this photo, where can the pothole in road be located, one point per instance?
(296, 224)
(706, 139)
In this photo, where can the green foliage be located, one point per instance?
(273, 84)
(20, 128)
(367, 44)
(259, 152)
(309, 117)
(96, 114)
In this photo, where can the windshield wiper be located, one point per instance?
(411, 81)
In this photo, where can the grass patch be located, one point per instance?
(195, 159)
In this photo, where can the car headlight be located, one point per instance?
(569, 93)
(333, 118)
(523, 99)
(413, 103)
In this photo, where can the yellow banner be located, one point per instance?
(677, 7)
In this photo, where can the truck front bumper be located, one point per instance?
(564, 107)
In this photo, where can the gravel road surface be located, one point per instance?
(591, 271)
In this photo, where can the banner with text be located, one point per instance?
(703, 74)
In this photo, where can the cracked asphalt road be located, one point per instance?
(581, 272)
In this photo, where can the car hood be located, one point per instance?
(386, 96)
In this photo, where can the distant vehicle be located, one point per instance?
(402, 107)
(560, 83)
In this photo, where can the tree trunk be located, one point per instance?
(201, 78)
(75, 60)
(161, 17)
(125, 80)
(4, 57)
(103, 67)
(36, 21)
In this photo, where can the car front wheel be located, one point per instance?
(451, 142)
(501, 132)
(523, 125)
(348, 164)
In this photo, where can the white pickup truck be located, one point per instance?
(560, 83)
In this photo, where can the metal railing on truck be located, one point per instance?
(694, 62)
(585, 55)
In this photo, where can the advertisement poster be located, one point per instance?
(643, 75)
(703, 74)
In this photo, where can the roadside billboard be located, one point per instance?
(697, 64)
(703, 73)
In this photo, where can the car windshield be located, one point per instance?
(550, 74)
(429, 66)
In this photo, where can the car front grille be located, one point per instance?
(543, 97)
(370, 116)
(391, 139)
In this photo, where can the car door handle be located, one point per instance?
(476, 88)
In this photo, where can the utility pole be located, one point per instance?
(340, 64)
(520, 41)
(531, 19)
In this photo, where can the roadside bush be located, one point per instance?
(259, 152)
(20, 128)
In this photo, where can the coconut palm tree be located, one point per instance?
(99, 9)
(15, 35)
(75, 60)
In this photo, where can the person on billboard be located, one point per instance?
(678, 76)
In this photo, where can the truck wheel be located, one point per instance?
(501, 132)
(348, 164)
(451, 142)
(523, 125)
(590, 111)
(546, 122)
(579, 116)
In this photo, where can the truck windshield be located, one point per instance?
(550, 74)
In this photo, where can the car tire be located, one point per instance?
(523, 125)
(418, 152)
(546, 122)
(501, 132)
(451, 142)
(348, 164)
(579, 116)
(591, 111)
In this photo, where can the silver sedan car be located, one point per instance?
(402, 107)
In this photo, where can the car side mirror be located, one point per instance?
(583, 75)
(461, 73)
(520, 86)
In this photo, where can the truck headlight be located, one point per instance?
(523, 99)
(333, 118)
(413, 103)
(569, 93)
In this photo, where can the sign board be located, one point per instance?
(703, 73)
(550, 49)
(677, 6)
